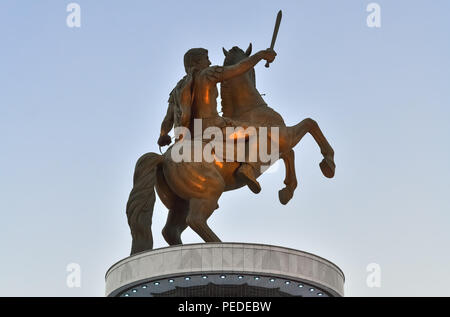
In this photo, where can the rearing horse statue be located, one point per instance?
(191, 190)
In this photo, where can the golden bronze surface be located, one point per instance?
(190, 190)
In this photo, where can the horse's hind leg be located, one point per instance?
(290, 180)
(199, 212)
(176, 222)
(178, 210)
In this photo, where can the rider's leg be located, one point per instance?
(246, 174)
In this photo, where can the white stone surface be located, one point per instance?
(226, 257)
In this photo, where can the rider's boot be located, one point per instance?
(245, 173)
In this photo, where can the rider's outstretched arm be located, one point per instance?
(246, 64)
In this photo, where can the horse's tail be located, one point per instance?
(141, 202)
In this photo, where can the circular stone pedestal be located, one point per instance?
(224, 269)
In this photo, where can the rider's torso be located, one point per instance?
(205, 98)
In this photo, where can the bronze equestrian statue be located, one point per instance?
(191, 190)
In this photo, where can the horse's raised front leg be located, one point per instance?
(290, 180)
(327, 165)
(292, 135)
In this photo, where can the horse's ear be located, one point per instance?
(249, 50)
(225, 52)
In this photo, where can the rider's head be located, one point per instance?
(196, 59)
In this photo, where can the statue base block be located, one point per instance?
(224, 270)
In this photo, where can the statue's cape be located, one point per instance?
(182, 97)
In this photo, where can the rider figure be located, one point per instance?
(194, 97)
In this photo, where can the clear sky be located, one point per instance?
(78, 106)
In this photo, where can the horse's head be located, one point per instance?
(235, 55)
(239, 94)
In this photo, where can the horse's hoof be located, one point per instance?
(285, 195)
(254, 187)
(327, 167)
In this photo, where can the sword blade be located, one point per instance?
(275, 31)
